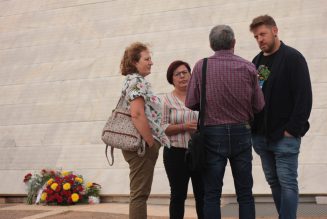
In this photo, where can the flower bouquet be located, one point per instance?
(93, 192)
(60, 188)
(35, 183)
(64, 189)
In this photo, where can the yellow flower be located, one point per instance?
(75, 197)
(65, 173)
(66, 186)
(54, 186)
(50, 181)
(78, 179)
(44, 196)
(89, 184)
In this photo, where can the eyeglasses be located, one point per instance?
(181, 73)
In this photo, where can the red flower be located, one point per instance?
(49, 191)
(27, 177)
(50, 198)
(59, 199)
(58, 188)
(66, 178)
(80, 188)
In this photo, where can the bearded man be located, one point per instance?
(278, 128)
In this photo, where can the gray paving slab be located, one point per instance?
(18, 214)
(120, 210)
(269, 210)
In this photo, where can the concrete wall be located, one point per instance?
(59, 78)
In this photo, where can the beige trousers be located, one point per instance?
(141, 177)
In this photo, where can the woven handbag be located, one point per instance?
(120, 132)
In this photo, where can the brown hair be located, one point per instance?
(173, 66)
(131, 55)
(262, 20)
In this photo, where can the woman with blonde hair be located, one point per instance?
(145, 108)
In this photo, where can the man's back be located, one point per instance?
(232, 88)
(232, 95)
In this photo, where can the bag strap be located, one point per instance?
(112, 155)
(203, 95)
(119, 104)
(120, 101)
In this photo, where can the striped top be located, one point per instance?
(175, 112)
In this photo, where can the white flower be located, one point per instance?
(94, 200)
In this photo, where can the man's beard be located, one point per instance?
(269, 47)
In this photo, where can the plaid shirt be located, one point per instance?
(233, 92)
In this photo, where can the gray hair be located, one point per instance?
(221, 37)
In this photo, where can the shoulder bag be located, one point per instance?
(120, 132)
(195, 156)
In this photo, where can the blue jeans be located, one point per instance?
(231, 142)
(280, 162)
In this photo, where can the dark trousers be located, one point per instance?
(179, 176)
(233, 143)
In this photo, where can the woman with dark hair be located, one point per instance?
(145, 108)
(178, 122)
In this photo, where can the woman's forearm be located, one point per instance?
(140, 120)
(175, 129)
(142, 125)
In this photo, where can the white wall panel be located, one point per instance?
(59, 78)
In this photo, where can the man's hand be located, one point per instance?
(286, 134)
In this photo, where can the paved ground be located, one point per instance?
(120, 211)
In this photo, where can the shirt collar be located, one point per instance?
(223, 52)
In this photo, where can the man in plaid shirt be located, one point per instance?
(233, 95)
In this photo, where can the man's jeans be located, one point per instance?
(280, 162)
(231, 142)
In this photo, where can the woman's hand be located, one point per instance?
(191, 126)
(287, 134)
(151, 144)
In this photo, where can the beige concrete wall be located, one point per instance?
(59, 78)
